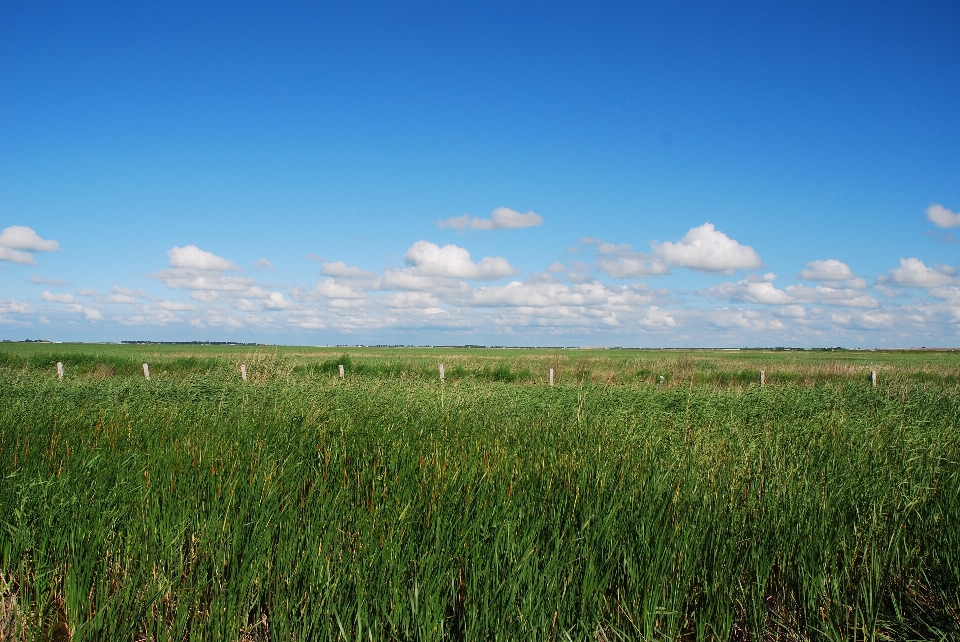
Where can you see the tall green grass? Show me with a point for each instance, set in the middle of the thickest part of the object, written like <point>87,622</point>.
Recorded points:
<point>302,507</point>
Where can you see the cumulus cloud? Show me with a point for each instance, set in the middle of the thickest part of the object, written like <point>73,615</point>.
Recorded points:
<point>18,307</point>
<point>829,270</point>
<point>622,262</point>
<point>188,279</point>
<point>914,273</point>
<point>276,302</point>
<point>15,256</point>
<point>175,306</point>
<point>20,237</point>
<point>502,218</point>
<point>707,249</point>
<point>941,216</point>
<point>125,295</point>
<point>793,311</point>
<point>18,242</point>
<point>46,295</point>
<point>192,257</point>
<point>332,289</point>
<point>762,291</point>
<point>342,270</point>
<point>264,264</point>
<point>657,319</point>
<point>429,259</point>
<point>419,300</point>
<point>203,273</point>
<point>542,295</point>
<point>828,295</point>
<point>833,271</point>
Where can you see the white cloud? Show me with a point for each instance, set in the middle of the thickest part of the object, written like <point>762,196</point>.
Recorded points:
<point>15,256</point>
<point>707,249</point>
<point>914,273</point>
<point>793,311</point>
<point>409,279</point>
<point>542,295</point>
<point>657,319</point>
<point>125,295</point>
<point>831,296</point>
<point>193,258</point>
<point>333,289</point>
<point>175,306</point>
<point>264,264</point>
<point>20,237</point>
<point>420,300</point>
<point>762,291</point>
<point>276,302</point>
<point>750,291</point>
<point>622,262</point>
<point>502,218</point>
<point>429,259</point>
<point>342,270</point>
<point>92,314</point>
<point>942,217</point>
<point>56,298</point>
<point>18,307</point>
<point>829,270</point>
<point>40,280</point>
<point>189,279</point>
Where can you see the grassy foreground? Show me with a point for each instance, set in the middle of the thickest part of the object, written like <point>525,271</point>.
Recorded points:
<point>298,506</point>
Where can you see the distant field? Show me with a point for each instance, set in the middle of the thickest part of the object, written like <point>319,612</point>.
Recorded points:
<point>384,506</point>
<point>518,365</point>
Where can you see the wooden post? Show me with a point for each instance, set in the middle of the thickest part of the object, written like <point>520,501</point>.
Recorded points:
<point>551,377</point>
<point>60,370</point>
<point>762,378</point>
<point>873,378</point>
<point>243,371</point>
<point>146,371</point>
<point>441,373</point>
<point>341,371</point>
<point>660,385</point>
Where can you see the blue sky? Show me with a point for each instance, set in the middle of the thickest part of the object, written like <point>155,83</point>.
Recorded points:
<point>509,174</point>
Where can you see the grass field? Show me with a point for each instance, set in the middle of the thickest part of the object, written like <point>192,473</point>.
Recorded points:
<point>384,506</point>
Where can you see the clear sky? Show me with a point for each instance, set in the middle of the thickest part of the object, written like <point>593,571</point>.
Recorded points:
<point>632,174</point>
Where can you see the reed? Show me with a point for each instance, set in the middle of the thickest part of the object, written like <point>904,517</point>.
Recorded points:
<point>299,506</point>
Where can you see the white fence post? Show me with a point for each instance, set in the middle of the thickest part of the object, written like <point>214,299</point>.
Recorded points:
<point>873,378</point>
<point>341,371</point>
<point>146,371</point>
<point>441,373</point>
<point>243,371</point>
<point>551,377</point>
<point>60,370</point>
<point>762,378</point>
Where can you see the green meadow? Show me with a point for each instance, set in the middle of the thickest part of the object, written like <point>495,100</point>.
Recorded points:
<point>384,505</point>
